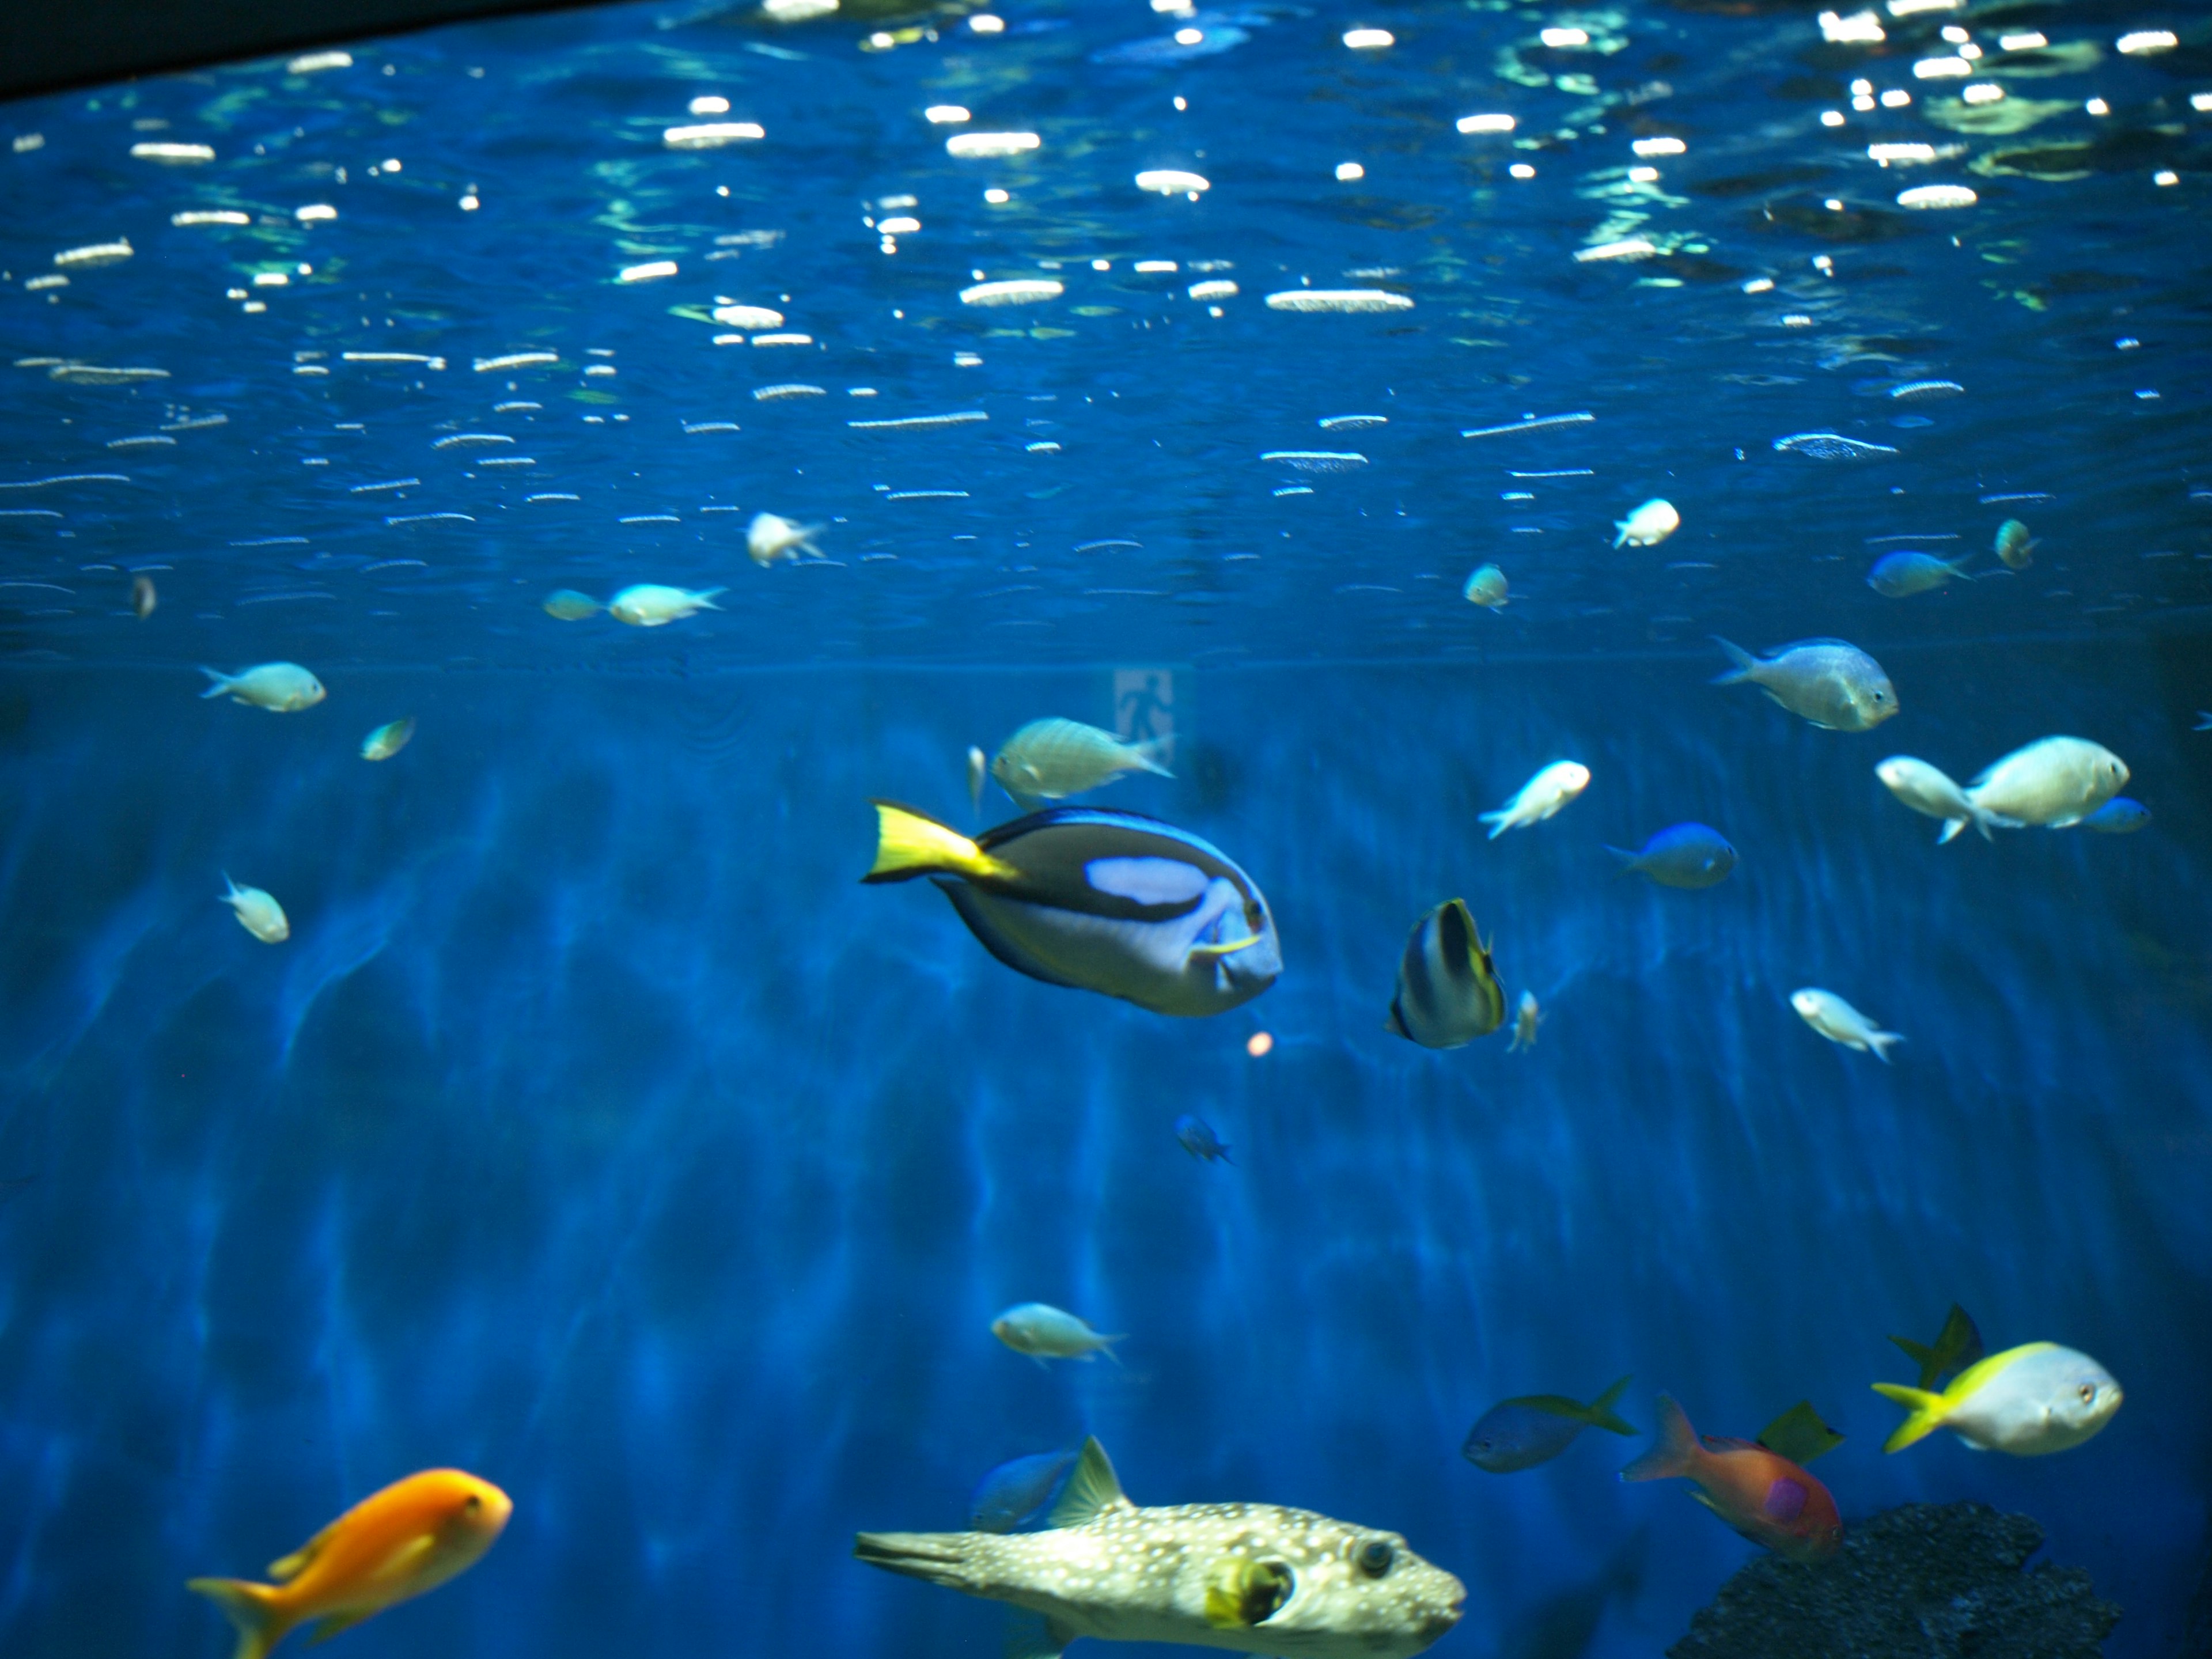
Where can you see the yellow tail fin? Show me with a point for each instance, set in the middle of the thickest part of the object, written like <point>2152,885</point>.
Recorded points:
<point>910,844</point>
<point>252,1607</point>
<point>1928,1414</point>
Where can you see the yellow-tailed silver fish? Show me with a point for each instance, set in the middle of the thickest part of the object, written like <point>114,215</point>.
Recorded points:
<point>1049,759</point>
<point>2030,1401</point>
<point>1448,990</point>
<point>387,739</point>
<point>1248,1578</point>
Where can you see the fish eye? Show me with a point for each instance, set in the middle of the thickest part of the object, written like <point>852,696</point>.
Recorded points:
<point>1375,1559</point>
<point>472,1502</point>
<point>2088,1392</point>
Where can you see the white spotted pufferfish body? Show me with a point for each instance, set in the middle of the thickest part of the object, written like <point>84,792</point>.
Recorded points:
<point>1249,1578</point>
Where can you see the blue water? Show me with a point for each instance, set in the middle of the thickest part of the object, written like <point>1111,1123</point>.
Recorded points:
<point>596,1132</point>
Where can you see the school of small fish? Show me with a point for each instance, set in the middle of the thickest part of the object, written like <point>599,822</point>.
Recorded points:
<point>1130,907</point>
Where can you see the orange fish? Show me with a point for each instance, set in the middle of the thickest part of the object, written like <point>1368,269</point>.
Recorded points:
<point>393,1545</point>
<point>1762,1494</point>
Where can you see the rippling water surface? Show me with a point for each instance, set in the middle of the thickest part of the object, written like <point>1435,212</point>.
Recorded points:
<point>595,1130</point>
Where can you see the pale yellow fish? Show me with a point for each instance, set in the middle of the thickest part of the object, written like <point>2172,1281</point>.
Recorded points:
<point>771,537</point>
<point>1525,1019</point>
<point>979,769</point>
<point>143,598</point>
<point>1486,588</point>
<point>1649,526</point>
<point>282,687</point>
<point>387,739</point>
<point>258,913</point>
<point>1049,759</point>
<point>567,605</point>
<point>649,605</point>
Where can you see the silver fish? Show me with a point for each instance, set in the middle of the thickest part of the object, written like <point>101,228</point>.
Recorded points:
<point>1049,759</point>
<point>1448,991</point>
<point>1249,1578</point>
<point>1831,683</point>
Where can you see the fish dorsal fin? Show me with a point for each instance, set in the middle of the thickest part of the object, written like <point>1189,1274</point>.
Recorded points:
<point>299,1559</point>
<point>1091,1491</point>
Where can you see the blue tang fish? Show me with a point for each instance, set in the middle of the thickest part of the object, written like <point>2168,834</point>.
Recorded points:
<point>1535,1428</point>
<point>1685,855</point>
<point>1198,1139</point>
<point>1900,576</point>
<point>2119,817</point>
<point>1101,900</point>
<point>1014,1491</point>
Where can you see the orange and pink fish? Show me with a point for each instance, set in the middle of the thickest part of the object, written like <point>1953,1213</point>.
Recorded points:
<point>392,1546</point>
<point>1762,1494</point>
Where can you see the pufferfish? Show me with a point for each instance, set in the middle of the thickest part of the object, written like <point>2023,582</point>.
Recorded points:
<point>1249,1577</point>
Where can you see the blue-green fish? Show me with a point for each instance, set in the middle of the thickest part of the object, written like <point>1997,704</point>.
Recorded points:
<point>1520,1433</point>
<point>1100,901</point>
<point>1015,1490</point>
<point>1900,576</point>
<point>2117,816</point>
<point>1683,855</point>
<point>282,687</point>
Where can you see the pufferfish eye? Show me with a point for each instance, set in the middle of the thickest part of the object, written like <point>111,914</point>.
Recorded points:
<point>1375,1559</point>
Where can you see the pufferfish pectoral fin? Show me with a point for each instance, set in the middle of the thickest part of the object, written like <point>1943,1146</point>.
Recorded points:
<point>1033,1636</point>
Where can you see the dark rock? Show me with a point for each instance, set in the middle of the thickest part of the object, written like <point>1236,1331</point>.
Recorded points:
<point>1931,1580</point>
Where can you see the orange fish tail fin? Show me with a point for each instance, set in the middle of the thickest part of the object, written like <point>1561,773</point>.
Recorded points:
<point>1675,1453</point>
<point>252,1607</point>
<point>1928,1412</point>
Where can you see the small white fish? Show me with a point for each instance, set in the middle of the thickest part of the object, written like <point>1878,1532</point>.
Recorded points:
<point>1539,798</point>
<point>1925,788</point>
<point>2056,781</point>
<point>387,739</point>
<point>143,598</point>
<point>1044,1332</point>
<point>769,537</point>
<point>282,687</point>
<point>1486,588</point>
<point>1649,526</point>
<point>1837,1021</point>
<point>647,605</point>
<point>258,913</point>
<point>1525,1019</point>
<point>979,769</point>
